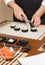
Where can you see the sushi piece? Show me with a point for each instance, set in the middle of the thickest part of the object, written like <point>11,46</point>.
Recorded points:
<point>16,28</point>
<point>12,26</point>
<point>33,29</point>
<point>25,29</point>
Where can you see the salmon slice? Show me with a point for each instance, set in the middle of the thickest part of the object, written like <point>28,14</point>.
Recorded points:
<point>6,53</point>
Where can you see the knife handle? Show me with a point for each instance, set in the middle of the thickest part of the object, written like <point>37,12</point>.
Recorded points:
<point>23,18</point>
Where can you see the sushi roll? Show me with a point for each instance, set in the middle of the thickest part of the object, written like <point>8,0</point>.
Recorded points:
<point>12,26</point>
<point>25,29</point>
<point>16,28</point>
<point>33,29</point>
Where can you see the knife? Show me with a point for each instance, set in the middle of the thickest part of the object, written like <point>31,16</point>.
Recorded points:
<point>28,22</point>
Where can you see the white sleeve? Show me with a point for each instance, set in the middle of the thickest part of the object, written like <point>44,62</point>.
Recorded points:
<point>43,3</point>
<point>7,1</point>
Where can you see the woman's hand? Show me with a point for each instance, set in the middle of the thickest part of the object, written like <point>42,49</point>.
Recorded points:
<point>36,19</point>
<point>18,12</point>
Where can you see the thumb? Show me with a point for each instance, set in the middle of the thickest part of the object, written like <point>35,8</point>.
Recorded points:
<point>24,16</point>
<point>32,19</point>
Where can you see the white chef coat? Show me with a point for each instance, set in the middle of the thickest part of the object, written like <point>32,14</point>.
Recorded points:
<point>7,1</point>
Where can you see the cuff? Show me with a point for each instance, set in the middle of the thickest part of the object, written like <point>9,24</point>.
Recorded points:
<point>43,3</point>
<point>7,1</point>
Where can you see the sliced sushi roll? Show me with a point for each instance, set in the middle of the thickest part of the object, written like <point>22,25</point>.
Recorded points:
<point>16,28</point>
<point>25,29</point>
<point>33,29</point>
<point>12,26</point>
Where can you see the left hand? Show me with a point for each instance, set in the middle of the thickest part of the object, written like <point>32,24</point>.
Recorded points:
<point>36,19</point>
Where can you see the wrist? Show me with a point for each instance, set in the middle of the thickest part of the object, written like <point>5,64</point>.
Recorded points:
<point>36,15</point>
<point>12,4</point>
<point>40,11</point>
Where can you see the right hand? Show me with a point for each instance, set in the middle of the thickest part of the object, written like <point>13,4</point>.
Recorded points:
<point>18,12</point>
<point>36,19</point>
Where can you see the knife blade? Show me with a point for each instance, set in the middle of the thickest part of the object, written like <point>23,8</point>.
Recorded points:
<point>28,22</point>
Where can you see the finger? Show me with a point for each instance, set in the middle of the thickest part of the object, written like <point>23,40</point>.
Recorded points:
<point>37,22</point>
<point>17,16</point>
<point>32,19</point>
<point>23,14</point>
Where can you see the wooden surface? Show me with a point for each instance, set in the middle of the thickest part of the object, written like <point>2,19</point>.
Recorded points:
<point>35,44</point>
